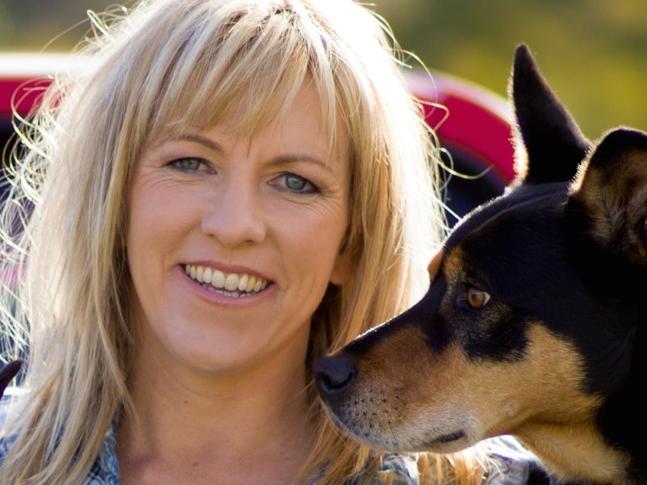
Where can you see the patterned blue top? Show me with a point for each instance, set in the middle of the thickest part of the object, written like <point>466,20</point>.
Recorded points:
<point>511,463</point>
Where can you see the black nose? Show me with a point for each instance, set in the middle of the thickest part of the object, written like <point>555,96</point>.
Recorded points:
<point>334,374</point>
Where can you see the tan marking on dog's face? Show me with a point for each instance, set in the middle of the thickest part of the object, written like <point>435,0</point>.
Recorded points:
<point>388,394</point>
<point>411,395</point>
<point>434,265</point>
<point>453,267</point>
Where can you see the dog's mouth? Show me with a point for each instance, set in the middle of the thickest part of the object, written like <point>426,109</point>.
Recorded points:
<point>450,440</point>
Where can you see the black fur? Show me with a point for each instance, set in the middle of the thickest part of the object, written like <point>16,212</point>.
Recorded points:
<point>7,373</point>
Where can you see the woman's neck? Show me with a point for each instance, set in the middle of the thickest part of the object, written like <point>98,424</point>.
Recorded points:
<point>231,422</point>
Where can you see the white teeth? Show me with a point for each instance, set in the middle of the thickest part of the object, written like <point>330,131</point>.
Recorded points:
<point>250,284</point>
<point>242,282</point>
<point>206,276</point>
<point>258,285</point>
<point>218,279</point>
<point>233,283</point>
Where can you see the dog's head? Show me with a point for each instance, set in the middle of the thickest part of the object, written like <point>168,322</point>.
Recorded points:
<point>533,302</point>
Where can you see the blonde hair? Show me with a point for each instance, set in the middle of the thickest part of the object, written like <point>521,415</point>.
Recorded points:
<point>166,66</point>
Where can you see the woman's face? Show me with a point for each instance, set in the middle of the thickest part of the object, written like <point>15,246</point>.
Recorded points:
<point>232,241</point>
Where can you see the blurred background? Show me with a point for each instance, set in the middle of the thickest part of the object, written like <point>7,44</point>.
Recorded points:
<point>594,52</point>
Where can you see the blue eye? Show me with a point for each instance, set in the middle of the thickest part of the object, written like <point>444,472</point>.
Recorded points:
<point>188,164</point>
<point>298,184</point>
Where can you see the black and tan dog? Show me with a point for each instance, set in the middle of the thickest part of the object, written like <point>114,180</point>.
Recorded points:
<point>534,324</point>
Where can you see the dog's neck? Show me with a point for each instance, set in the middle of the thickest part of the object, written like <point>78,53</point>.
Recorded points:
<point>621,419</point>
<point>578,452</point>
<point>575,452</point>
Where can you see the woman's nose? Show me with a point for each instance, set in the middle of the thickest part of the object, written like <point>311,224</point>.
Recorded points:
<point>233,216</point>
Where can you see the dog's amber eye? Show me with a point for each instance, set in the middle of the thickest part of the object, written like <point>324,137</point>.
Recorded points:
<point>477,299</point>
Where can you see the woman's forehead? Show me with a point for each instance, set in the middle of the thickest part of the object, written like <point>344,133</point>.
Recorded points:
<point>301,116</point>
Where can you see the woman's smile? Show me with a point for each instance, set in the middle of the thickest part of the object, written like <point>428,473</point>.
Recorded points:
<point>236,289</point>
<point>226,283</point>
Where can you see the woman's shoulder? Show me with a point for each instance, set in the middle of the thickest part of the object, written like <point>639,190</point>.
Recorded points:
<point>5,445</point>
<point>403,469</point>
<point>510,463</point>
<point>6,439</point>
<point>394,469</point>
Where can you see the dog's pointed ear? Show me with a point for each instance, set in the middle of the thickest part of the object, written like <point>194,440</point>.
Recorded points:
<point>549,145</point>
<point>611,187</point>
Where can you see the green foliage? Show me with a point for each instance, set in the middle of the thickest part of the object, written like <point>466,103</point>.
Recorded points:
<point>593,52</point>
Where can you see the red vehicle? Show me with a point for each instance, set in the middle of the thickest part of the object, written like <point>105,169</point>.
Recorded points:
<point>473,124</point>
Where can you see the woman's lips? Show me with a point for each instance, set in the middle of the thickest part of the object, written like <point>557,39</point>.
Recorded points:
<point>244,283</point>
<point>222,295</point>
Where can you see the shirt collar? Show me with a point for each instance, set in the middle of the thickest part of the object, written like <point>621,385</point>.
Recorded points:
<point>105,470</point>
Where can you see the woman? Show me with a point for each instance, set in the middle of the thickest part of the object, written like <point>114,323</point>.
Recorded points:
<point>233,189</point>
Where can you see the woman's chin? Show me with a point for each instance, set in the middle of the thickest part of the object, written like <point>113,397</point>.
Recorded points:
<point>214,360</point>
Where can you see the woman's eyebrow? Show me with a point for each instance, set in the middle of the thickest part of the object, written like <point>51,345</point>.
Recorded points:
<point>202,140</point>
<point>301,157</point>
<point>287,158</point>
